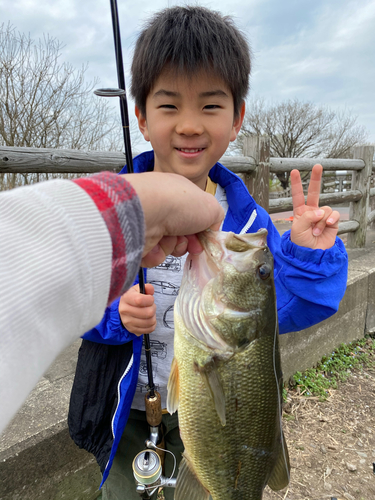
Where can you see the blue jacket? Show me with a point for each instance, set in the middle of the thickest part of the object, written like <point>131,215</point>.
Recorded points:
<point>309,286</point>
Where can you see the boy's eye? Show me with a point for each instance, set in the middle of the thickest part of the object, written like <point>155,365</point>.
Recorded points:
<point>212,106</point>
<point>168,106</point>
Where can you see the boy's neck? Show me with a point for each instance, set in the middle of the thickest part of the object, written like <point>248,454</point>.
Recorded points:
<point>203,183</point>
<point>210,186</point>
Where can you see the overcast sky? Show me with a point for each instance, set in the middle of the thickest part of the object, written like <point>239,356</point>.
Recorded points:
<point>314,50</point>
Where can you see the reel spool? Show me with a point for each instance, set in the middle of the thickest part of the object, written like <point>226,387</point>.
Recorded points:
<point>147,467</point>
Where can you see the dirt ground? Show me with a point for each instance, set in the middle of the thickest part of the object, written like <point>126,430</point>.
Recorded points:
<point>332,443</point>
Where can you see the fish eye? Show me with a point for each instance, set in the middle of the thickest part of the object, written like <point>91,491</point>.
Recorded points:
<point>264,271</point>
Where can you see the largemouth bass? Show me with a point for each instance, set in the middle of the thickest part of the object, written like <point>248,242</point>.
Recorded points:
<point>226,379</point>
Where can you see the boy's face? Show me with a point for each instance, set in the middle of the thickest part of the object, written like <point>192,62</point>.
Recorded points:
<point>189,122</point>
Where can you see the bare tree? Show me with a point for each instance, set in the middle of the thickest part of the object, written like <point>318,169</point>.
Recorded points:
<point>301,129</point>
<point>46,103</point>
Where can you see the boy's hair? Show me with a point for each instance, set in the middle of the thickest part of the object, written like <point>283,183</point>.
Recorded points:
<point>186,40</point>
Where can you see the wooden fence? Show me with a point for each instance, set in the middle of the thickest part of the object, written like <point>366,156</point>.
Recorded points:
<point>254,168</point>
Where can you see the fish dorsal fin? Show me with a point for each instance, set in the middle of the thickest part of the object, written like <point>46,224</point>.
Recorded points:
<point>173,387</point>
<point>281,472</point>
<point>188,486</point>
<point>211,377</point>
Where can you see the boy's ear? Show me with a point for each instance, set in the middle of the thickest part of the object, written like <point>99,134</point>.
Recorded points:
<point>142,123</point>
<point>237,123</point>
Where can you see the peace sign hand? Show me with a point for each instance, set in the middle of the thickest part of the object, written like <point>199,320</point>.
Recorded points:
<point>313,226</point>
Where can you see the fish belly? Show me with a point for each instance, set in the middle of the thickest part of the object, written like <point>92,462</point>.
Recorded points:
<point>233,461</point>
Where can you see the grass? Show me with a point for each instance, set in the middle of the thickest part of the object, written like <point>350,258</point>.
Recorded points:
<point>335,368</point>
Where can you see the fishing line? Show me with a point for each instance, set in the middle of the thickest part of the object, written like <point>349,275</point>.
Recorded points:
<point>162,483</point>
<point>278,398</point>
<point>277,275</point>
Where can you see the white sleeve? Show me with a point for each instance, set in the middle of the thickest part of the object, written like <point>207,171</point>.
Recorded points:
<point>55,272</point>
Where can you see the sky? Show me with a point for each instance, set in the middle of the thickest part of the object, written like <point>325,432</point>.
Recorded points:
<point>322,51</point>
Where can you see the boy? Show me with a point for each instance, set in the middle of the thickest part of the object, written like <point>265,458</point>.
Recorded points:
<point>190,76</point>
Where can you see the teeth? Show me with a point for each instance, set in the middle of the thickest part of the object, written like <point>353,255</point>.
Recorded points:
<point>184,150</point>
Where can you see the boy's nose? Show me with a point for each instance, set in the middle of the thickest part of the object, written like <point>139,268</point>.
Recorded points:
<point>189,125</point>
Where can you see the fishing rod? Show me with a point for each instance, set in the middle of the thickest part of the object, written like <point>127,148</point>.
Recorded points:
<point>145,462</point>
<point>121,93</point>
<point>152,398</point>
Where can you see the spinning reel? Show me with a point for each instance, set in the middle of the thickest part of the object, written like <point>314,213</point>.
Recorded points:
<point>148,464</point>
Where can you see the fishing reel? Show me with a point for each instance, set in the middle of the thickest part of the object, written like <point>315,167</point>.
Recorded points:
<point>148,464</point>
<point>147,470</point>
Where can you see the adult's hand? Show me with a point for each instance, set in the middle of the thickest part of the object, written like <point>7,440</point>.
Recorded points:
<point>175,210</point>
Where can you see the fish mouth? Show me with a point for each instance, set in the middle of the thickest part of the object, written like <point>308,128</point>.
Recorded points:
<point>245,242</point>
<point>236,249</point>
<point>219,245</point>
<point>234,242</point>
<point>205,292</point>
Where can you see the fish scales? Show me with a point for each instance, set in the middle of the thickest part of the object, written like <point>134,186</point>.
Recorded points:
<point>245,455</point>
<point>228,393</point>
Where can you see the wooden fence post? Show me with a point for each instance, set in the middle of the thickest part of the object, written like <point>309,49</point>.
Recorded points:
<point>257,182</point>
<point>358,210</point>
<point>372,200</point>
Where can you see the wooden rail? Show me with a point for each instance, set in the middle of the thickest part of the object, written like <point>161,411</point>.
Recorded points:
<point>254,168</point>
<point>278,165</point>
<point>285,204</point>
<point>70,161</point>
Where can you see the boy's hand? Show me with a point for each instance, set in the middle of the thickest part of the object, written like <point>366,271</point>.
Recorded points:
<point>138,311</point>
<point>313,227</point>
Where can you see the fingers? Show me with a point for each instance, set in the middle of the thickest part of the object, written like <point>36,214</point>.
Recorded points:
<point>169,245</point>
<point>137,299</point>
<point>138,311</point>
<point>314,186</point>
<point>313,192</point>
<point>153,258</point>
<point>309,219</point>
<point>149,289</point>
<point>316,228</point>
<point>334,219</point>
<point>216,226</point>
<point>298,198</point>
<point>194,245</point>
<point>330,219</point>
<point>181,246</point>
<point>166,246</point>
<point>173,206</point>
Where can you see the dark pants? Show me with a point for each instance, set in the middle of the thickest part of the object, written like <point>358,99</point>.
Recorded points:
<point>120,484</point>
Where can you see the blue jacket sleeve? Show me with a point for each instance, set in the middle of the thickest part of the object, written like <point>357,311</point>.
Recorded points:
<point>111,330</point>
<point>309,283</point>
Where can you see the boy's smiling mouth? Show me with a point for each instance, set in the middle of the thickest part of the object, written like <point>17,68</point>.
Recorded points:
<point>190,150</point>
<point>190,153</point>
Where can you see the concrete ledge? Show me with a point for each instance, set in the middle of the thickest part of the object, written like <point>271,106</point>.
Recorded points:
<point>304,349</point>
<point>38,460</point>
<point>355,317</point>
<point>53,469</point>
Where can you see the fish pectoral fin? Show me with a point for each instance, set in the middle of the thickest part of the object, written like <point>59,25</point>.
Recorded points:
<point>188,486</point>
<point>211,377</point>
<point>281,472</point>
<point>173,387</point>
